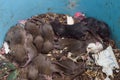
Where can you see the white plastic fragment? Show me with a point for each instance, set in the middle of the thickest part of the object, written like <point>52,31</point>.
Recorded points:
<point>6,47</point>
<point>70,20</point>
<point>107,60</point>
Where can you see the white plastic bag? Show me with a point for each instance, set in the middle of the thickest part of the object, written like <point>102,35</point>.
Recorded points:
<point>107,60</point>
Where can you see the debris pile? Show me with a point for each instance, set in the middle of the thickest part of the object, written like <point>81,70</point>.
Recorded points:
<point>60,47</point>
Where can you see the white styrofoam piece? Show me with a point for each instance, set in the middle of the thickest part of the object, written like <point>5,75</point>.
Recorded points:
<point>6,47</point>
<point>70,20</point>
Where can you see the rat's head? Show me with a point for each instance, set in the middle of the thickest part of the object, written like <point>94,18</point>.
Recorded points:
<point>58,28</point>
<point>91,47</point>
<point>94,47</point>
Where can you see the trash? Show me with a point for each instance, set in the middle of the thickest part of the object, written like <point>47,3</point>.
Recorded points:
<point>107,60</point>
<point>70,20</point>
<point>79,16</point>
<point>6,47</point>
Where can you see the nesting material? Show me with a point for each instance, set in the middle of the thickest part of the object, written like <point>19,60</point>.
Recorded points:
<point>70,20</point>
<point>6,47</point>
<point>58,45</point>
<point>107,60</point>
